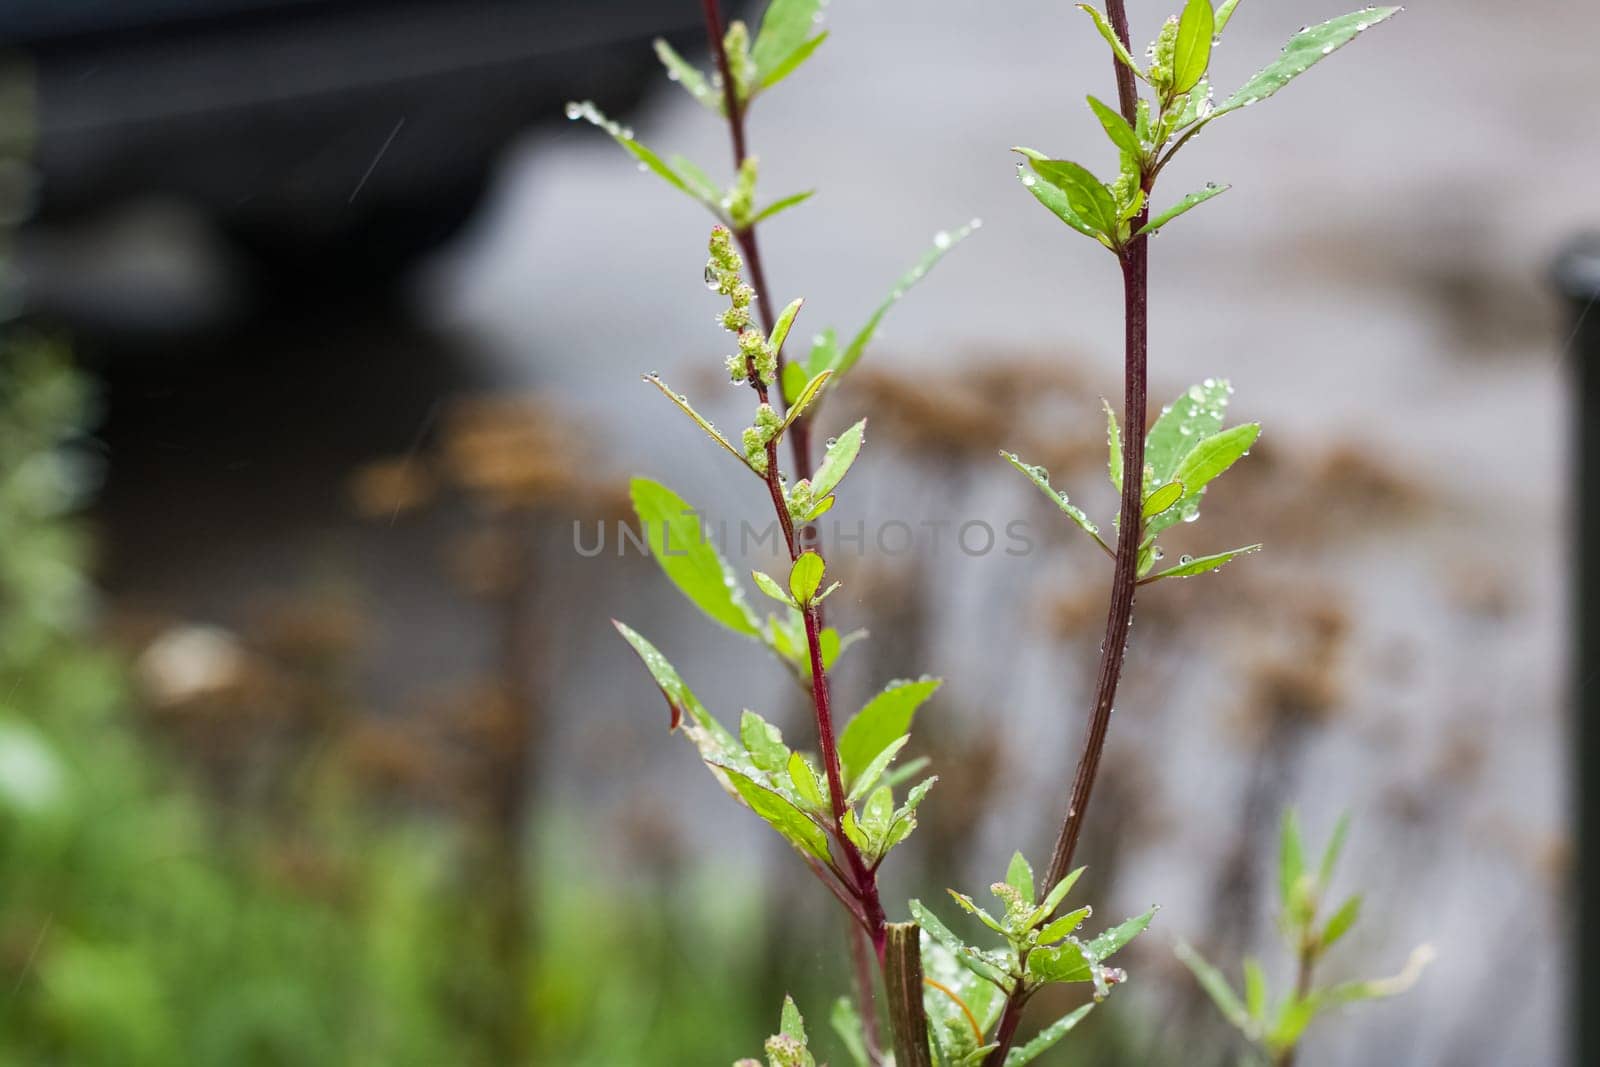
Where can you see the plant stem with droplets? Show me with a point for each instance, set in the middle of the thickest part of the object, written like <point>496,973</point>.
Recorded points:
<point>745,236</point>
<point>1134,258</point>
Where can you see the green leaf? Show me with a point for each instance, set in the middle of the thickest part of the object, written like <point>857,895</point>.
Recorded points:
<point>1045,1039</point>
<point>1064,926</point>
<point>1111,941</point>
<point>697,178</point>
<point>842,362</point>
<point>1195,415</point>
<point>768,585</point>
<point>846,1023</point>
<point>687,75</point>
<point>1330,855</point>
<point>1055,201</point>
<point>1058,893</point>
<point>1113,446</point>
<point>873,771</point>
<point>780,329</point>
<point>1378,988</point>
<point>792,63</point>
<point>782,205</point>
<point>1189,567</point>
<point>1119,49</point>
<point>1163,498</point>
<point>1019,876</point>
<point>836,461</point>
<point>805,576</point>
<point>1255,989</point>
<point>1304,50</point>
<point>1066,962</point>
<point>806,786</point>
<point>624,137</point>
<point>905,819</point>
<point>1192,54</point>
<point>764,742</point>
<point>1215,454</point>
<point>1216,987</point>
<point>807,397</point>
<point>1224,13</point>
<point>972,908</point>
<point>1291,857</point>
<point>700,420</point>
<point>680,699</point>
<point>779,813</point>
<point>794,381</point>
<point>1342,921</point>
<point>884,718</point>
<point>1117,129</point>
<point>785,27</point>
<point>965,954</point>
<point>1041,478</point>
<point>1088,197</point>
<point>693,564</point>
<point>1188,203</point>
<point>824,354</point>
<point>790,1023</point>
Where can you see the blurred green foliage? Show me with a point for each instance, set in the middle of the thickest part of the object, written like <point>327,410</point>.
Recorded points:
<point>141,923</point>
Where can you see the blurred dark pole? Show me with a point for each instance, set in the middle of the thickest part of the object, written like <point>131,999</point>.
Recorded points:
<point>1578,276</point>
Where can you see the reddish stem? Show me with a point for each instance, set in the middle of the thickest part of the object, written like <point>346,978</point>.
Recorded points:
<point>800,432</point>
<point>1130,528</point>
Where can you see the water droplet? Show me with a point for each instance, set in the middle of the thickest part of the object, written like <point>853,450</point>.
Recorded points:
<point>941,240</point>
<point>574,110</point>
<point>713,282</point>
<point>1029,180</point>
<point>1196,393</point>
<point>1185,559</point>
<point>1327,50</point>
<point>975,224</point>
<point>1191,513</point>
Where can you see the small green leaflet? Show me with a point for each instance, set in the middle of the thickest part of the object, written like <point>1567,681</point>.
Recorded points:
<point>1055,201</point>
<point>1216,987</point>
<point>1291,856</point>
<point>687,75</point>
<point>782,205</point>
<point>795,826</point>
<point>1224,13</point>
<point>680,699</point>
<point>1117,129</point>
<point>1188,568</point>
<point>785,31</point>
<point>690,560</point>
<point>884,718</point>
<point>1305,49</point>
<point>1342,921</point>
<point>699,419</point>
<point>873,771</point>
<point>1215,454</point>
<point>1041,478</point>
<point>1111,941</point>
<point>790,65</point>
<point>841,453</point>
<point>1019,876</point>
<point>624,136</point>
<point>1047,1038</point>
<point>780,329</point>
<point>1192,53</point>
<point>825,352</point>
<point>1195,415</point>
<point>1088,197</point>
<point>808,396</point>
<point>1117,47</point>
<point>805,576</point>
<point>1188,203</point>
<point>768,585</point>
<point>1163,498</point>
<point>1113,446</point>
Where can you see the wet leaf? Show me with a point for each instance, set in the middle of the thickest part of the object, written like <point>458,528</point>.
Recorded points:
<point>1113,446</point>
<point>1188,568</point>
<point>884,718</point>
<point>680,699</point>
<point>1117,129</point>
<point>1188,203</point>
<point>808,396</point>
<point>1041,478</point>
<point>805,576</point>
<point>1305,49</point>
<point>785,28</point>
<point>873,771</point>
<point>699,420</point>
<point>1195,415</point>
<point>1119,49</point>
<point>687,75</point>
<point>692,563</point>
<point>836,461</point>
<point>1212,456</point>
<point>779,206</point>
<point>1087,196</point>
<point>769,585</point>
<point>764,742</point>
<point>1019,876</point>
<point>1192,53</point>
<point>1224,13</point>
<point>1047,1038</point>
<point>1162,499</point>
<point>1104,946</point>
<point>779,813</point>
<point>780,328</point>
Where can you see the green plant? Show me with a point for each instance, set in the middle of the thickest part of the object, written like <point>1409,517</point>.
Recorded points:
<point>949,1001</point>
<point>1275,1025</point>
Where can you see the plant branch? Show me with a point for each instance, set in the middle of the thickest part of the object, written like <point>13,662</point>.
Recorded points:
<point>799,433</point>
<point>1302,989</point>
<point>1134,257</point>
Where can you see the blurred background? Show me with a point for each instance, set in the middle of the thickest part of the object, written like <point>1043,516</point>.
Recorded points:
<point>324,330</point>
